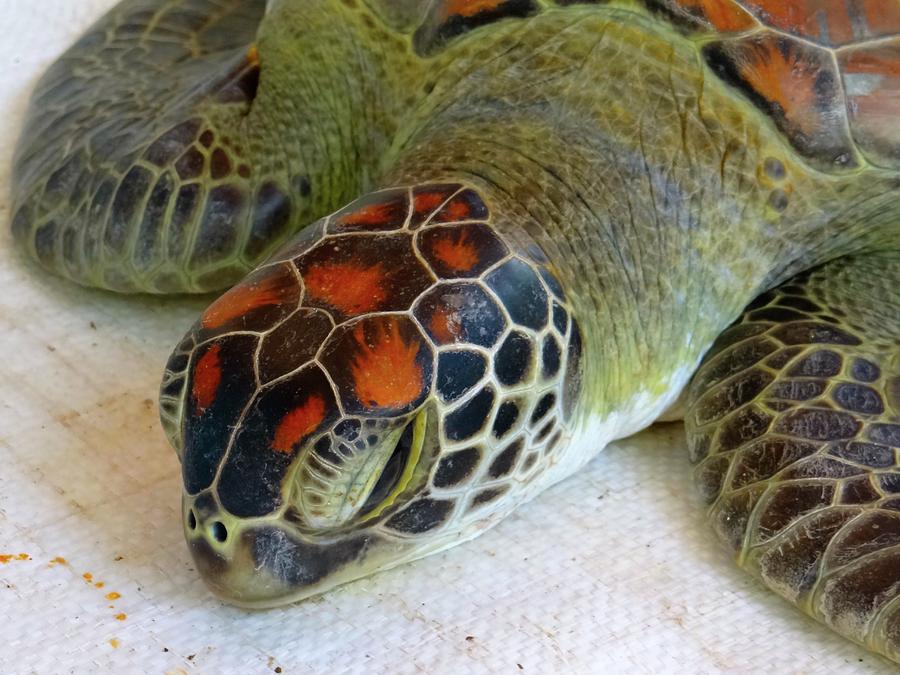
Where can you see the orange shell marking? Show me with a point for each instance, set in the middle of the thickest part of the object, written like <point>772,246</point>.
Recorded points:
<point>872,78</point>
<point>298,423</point>
<point>207,378</point>
<point>273,289</point>
<point>724,15</point>
<point>348,287</point>
<point>788,80</point>
<point>833,22</point>
<point>386,373</point>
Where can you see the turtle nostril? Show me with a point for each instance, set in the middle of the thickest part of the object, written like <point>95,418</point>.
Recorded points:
<point>192,520</point>
<point>219,532</point>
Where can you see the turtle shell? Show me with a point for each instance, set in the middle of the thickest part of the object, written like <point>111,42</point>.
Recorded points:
<point>827,72</point>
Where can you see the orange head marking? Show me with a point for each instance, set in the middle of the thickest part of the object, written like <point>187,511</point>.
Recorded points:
<point>368,214</point>
<point>298,423</point>
<point>271,290</point>
<point>349,287</point>
<point>457,209</point>
<point>445,325</point>
<point>457,251</point>
<point>207,378</point>
<point>386,373</point>
<point>426,202</point>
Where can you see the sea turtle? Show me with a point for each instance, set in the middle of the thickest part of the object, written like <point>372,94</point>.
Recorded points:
<point>573,213</point>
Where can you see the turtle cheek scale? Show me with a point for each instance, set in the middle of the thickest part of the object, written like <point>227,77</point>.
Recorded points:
<point>285,511</point>
<point>275,525</point>
<point>282,522</point>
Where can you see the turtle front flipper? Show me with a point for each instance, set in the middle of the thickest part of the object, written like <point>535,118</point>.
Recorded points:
<point>794,422</point>
<point>132,150</point>
<point>179,142</point>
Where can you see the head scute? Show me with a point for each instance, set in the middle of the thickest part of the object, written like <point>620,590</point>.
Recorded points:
<point>381,365</point>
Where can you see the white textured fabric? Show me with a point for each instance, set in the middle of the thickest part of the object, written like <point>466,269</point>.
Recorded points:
<point>613,570</point>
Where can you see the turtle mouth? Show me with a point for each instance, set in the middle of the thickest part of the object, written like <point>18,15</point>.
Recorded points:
<point>397,472</point>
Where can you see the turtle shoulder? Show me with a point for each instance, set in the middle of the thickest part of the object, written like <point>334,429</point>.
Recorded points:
<point>826,73</point>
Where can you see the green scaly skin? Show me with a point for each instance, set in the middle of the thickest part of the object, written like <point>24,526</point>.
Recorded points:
<point>664,201</point>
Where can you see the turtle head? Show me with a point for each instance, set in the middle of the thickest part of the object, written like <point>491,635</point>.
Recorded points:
<point>392,383</point>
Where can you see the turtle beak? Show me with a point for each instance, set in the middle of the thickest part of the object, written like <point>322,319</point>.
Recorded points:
<point>258,565</point>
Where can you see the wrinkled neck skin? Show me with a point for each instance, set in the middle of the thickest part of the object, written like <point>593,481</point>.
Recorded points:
<point>327,107</point>
<point>619,176</point>
<point>625,173</point>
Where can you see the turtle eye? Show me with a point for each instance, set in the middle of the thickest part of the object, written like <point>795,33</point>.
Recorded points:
<point>390,474</point>
<point>398,470</point>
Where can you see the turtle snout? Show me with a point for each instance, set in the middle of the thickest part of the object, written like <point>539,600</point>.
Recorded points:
<point>261,563</point>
